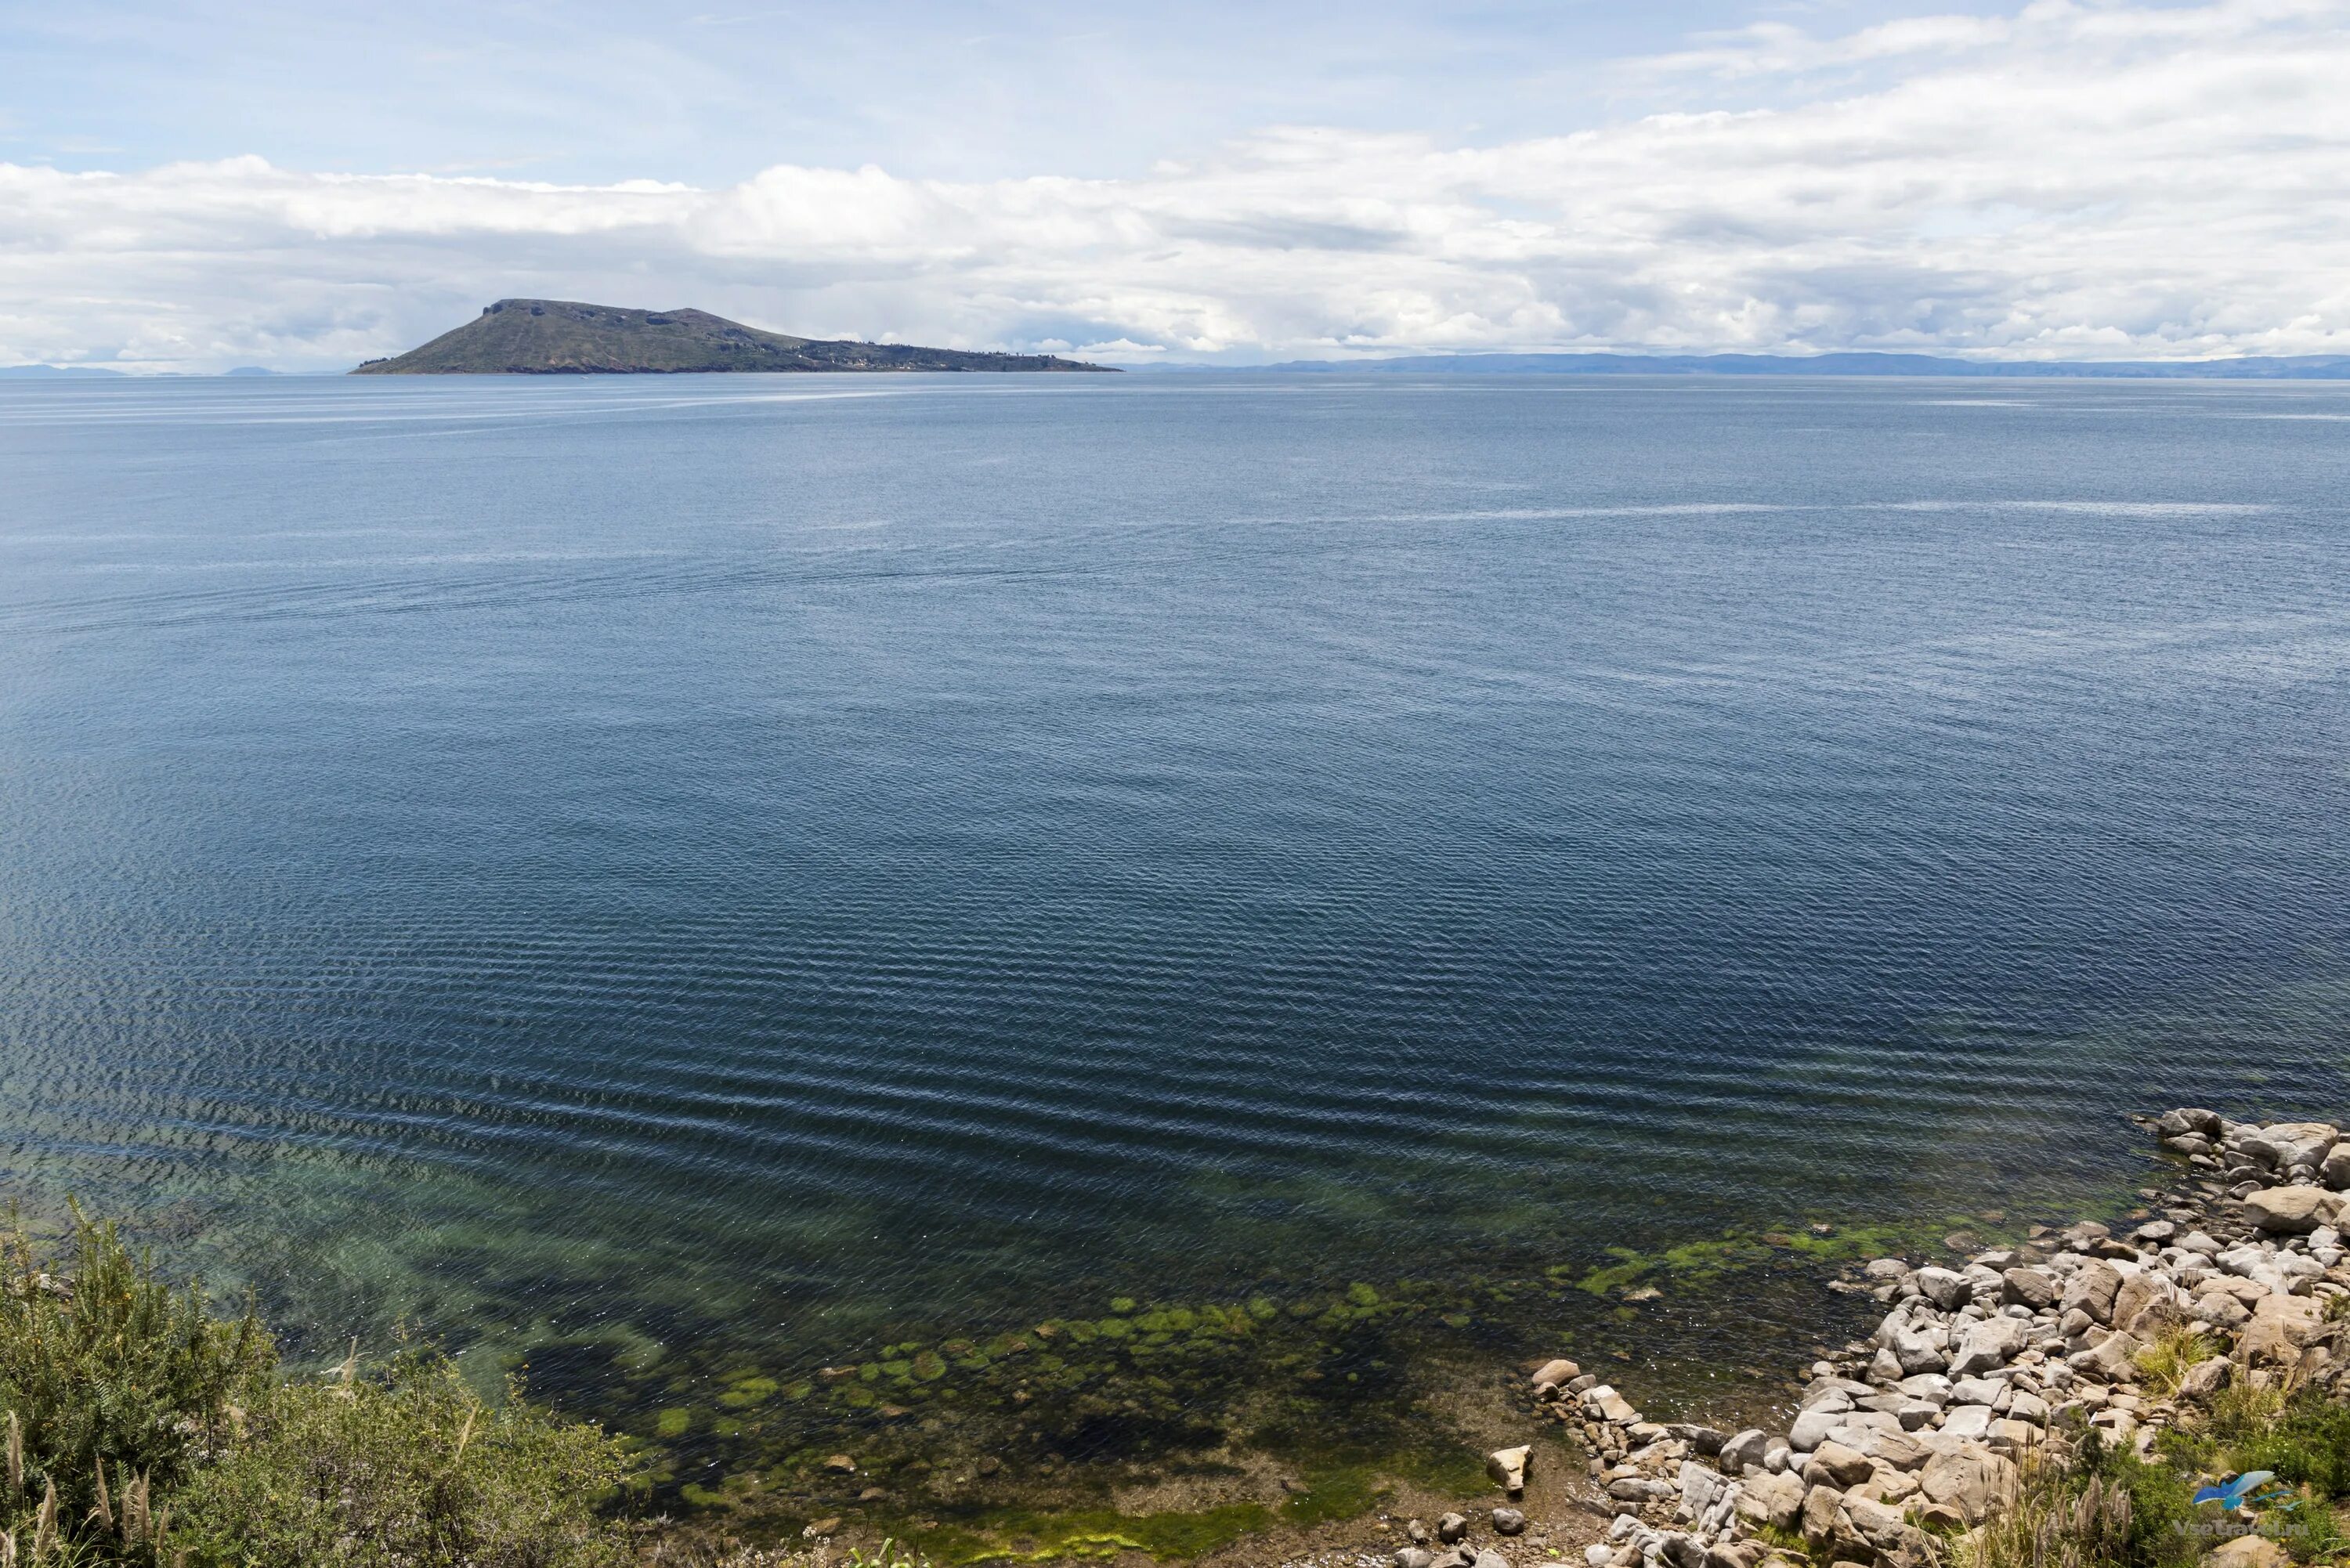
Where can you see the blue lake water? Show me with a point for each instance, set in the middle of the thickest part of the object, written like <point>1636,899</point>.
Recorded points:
<point>606,868</point>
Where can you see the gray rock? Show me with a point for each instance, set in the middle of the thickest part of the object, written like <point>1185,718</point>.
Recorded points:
<point>1987,1345</point>
<point>1970,1479</point>
<point>1509,1522</point>
<point>1944,1288</point>
<point>1706,1440</point>
<point>2288,1144</point>
<point>2090,1290</point>
<point>1744,1452</point>
<point>1977,1390</point>
<point>1489,1558</point>
<point>1969,1421</point>
<point>1414,1557</point>
<point>1897,1449</point>
<point>1822,1504</point>
<point>1917,1354</point>
<point>1558,1373</point>
<point>1813,1427</point>
<point>1452,1529</point>
<point>1930,1386</point>
<point>1679,1551</point>
<point>2290,1210</point>
<point>1834,1464</point>
<point>1885,1269</point>
<point>2207,1377</point>
<point>2034,1288</point>
<point>2190,1120</point>
<point>1774,1499</point>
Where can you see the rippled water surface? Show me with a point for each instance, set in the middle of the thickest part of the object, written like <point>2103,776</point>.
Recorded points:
<point>801,862</point>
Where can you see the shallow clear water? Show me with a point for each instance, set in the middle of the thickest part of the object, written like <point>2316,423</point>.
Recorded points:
<point>638,864</point>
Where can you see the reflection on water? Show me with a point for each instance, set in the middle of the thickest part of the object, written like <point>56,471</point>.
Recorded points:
<point>691,886</point>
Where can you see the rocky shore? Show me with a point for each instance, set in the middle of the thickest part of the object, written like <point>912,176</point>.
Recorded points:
<point>1903,1447</point>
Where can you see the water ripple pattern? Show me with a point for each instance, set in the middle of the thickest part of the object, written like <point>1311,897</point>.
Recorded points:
<point>952,849</point>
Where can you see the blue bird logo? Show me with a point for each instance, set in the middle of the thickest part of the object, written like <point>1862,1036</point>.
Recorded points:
<point>2234,1494</point>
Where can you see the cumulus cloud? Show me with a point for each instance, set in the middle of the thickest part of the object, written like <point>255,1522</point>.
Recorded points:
<point>2065,182</point>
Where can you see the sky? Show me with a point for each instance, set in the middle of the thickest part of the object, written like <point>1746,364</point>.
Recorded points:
<point>197,186</point>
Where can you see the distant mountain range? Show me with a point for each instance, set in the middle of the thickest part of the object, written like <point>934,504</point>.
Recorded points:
<point>2316,366</point>
<point>562,337</point>
<point>119,375</point>
<point>545,336</point>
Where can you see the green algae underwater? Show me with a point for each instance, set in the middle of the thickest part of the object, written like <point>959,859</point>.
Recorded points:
<point>1177,1428</point>
<point>1027,1444</point>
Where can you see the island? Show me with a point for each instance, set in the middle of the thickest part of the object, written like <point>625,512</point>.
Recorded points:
<point>562,337</point>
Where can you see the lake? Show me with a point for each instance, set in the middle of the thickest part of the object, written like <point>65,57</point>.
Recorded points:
<point>685,882</point>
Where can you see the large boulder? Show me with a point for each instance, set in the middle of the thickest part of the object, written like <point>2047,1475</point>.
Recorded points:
<point>1916,1353</point>
<point>1834,1464</point>
<point>1897,1449</point>
<point>1828,1531</point>
<point>1970,1479</point>
<point>1944,1288</point>
<point>1971,1421</point>
<point>1813,1427</point>
<point>2092,1290</point>
<point>1557,1374</point>
<point>2292,1210</point>
<point>1508,1467</point>
<point>2336,1171</point>
<point>2289,1144</point>
<point>2280,1326</point>
<point>2145,1300</point>
<point>1774,1499</point>
<point>2206,1377</point>
<point>1743,1452</point>
<point>2247,1551</point>
<point>2113,1356</point>
<point>1701,1488</point>
<point>1605,1405</point>
<point>2190,1120</point>
<point>2034,1288</point>
<point>1988,1345</point>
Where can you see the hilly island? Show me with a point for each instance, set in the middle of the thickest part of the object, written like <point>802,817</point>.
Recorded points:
<point>559,338</point>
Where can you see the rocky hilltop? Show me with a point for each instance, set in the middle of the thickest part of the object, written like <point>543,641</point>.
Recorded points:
<point>562,337</point>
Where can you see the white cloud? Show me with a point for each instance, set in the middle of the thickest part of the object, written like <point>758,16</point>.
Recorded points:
<point>2068,181</point>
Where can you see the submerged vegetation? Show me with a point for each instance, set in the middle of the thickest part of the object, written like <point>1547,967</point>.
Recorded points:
<point>142,1428</point>
<point>158,1430</point>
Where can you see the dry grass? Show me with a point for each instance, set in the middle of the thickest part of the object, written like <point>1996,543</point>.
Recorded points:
<point>2166,1360</point>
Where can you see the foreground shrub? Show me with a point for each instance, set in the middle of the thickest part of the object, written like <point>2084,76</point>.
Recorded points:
<point>2306,1444</point>
<point>114,1385</point>
<point>410,1468</point>
<point>139,1428</point>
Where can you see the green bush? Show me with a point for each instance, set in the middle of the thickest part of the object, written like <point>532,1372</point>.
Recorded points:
<point>2307,1444</point>
<point>114,1385</point>
<point>138,1428</point>
<point>2162,1505</point>
<point>410,1468</point>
